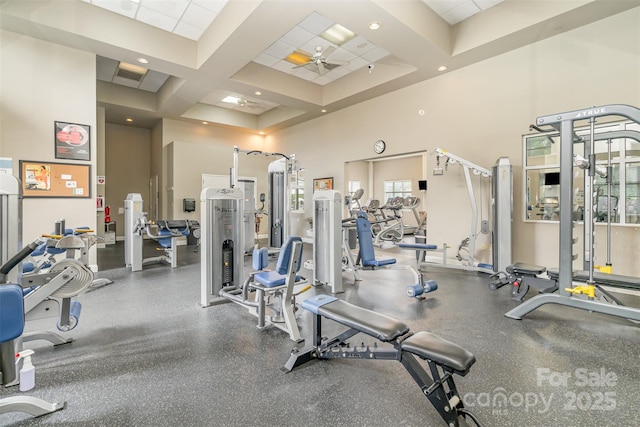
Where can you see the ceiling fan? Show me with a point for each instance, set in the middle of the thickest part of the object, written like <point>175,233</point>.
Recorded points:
<point>318,61</point>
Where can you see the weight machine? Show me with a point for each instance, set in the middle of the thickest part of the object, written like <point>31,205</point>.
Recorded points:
<point>165,232</point>
<point>501,211</point>
<point>48,284</point>
<point>583,296</point>
<point>268,295</point>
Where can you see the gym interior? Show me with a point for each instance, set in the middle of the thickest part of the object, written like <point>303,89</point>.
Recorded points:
<point>204,202</point>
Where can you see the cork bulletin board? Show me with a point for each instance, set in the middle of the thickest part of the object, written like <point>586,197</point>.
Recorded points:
<point>46,179</point>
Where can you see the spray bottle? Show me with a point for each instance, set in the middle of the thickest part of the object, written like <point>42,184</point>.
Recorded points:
<point>28,372</point>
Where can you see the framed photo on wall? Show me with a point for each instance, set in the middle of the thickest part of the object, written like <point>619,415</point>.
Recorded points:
<point>322,184</point>
<point>72,141</point>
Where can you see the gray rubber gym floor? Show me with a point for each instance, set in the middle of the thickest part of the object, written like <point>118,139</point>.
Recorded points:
<point>146,354</point>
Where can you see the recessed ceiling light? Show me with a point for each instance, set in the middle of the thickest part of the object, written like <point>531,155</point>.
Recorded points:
<point>143,60</point>
<point>337,34</point>
<point>374,25</point>
<point>205,123</point>
<point>231,99</point>
<point>128,120</point>
<point>323,111</point>
<point>442,68</point>
<point>261,133</point>
<point>257,93</point>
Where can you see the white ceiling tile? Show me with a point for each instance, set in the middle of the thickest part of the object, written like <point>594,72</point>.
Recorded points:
<point>105,68</point>
<point>316,23</point>
<point>266,60</point>
<point>310,46</point>
<point>486,4</point>
<point>358,46</point>
<point>442,6</point>
<point>461,13</point>
<point>284,66</point>
<point>375,54</point>
<point>198,16</point>
<point>189,31</point>
<point>153,81</point>
<point>213,5</point>
<point>171,8</point>
<point>297,36</point>
<point>357,63</point>
<point>280,49</point>
<point>338,72</point>
<point>125,7</point>
<point>156,19</point>
<point>342,55</point>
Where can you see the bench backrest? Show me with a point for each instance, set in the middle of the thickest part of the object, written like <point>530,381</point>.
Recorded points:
<point>282,266</point>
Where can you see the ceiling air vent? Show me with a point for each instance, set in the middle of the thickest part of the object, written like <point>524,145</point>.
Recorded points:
<point>131,72</point>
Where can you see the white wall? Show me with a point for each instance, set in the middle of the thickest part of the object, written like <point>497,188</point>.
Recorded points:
<point>480,113</point>
<point>41,82</point>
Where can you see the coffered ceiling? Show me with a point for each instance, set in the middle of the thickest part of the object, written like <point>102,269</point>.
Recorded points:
<point>262,65</point>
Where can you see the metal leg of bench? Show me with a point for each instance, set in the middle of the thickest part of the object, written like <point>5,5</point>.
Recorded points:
<point>29,404</point>
<point>433,389</point>
<point>599,307</point>
<point>305,354</point>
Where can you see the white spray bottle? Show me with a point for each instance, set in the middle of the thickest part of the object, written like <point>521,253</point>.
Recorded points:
<point>28,372</point>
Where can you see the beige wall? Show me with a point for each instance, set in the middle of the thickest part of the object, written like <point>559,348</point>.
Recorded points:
<point>480,113</point>
<point>41,82</point>
<point>128,167</point>
<point>205,149</point>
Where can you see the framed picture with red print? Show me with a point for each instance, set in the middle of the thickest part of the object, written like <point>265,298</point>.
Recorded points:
<point>72,141</point>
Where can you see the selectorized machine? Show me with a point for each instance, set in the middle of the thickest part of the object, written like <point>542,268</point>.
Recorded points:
<point>165,232</point>
<point>220,245</point>
<point>328,239</point>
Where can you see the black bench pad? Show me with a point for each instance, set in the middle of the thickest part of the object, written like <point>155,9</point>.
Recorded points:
<point>522,268</point>
<point>366,321</point>
<point>429,346</point>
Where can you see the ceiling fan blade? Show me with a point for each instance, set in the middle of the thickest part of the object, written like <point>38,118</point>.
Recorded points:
<point>338,62</point>
<point>328,51</point>
<point>321,69</point>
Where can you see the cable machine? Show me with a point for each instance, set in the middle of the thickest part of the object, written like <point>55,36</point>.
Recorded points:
<point>581,297</point>
<point>501,203</point>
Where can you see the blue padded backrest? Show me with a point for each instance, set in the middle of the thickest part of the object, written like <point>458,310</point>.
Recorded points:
<point>285,254</point>
<point>11,312</point>
<point>363,227</point>
<point>260,259</point>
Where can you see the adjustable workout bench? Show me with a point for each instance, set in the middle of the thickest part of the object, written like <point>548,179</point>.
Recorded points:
<point>444,358</point>
<point>522,277</point>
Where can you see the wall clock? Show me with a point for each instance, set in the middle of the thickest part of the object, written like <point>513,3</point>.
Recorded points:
<point>379,146</point>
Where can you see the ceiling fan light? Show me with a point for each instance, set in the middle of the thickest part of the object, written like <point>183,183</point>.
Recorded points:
<point>298,58</point>
<point>337,34</point>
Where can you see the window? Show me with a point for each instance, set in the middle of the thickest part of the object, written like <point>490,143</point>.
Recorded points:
<point>400,188</point>
<point>542,172</point>
<point>354,186</point>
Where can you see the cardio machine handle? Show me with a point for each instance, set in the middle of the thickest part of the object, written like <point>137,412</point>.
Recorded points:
<point>22,254</point>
